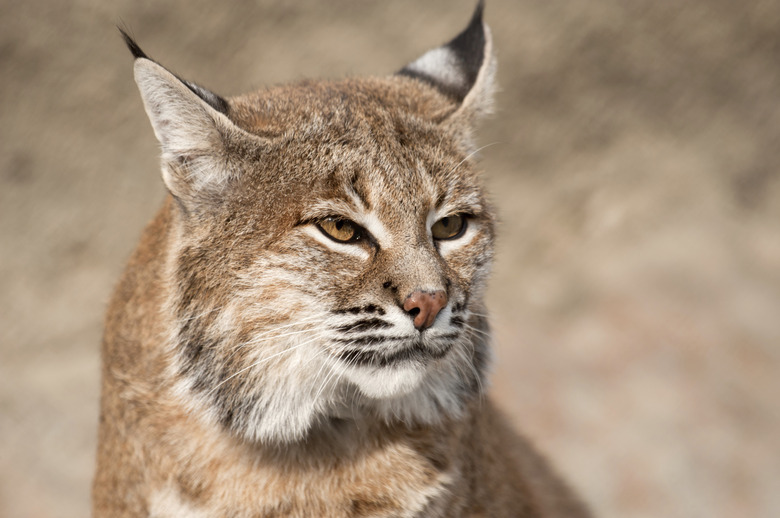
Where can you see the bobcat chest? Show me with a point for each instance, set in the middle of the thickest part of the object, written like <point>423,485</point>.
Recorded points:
<point>389,480</point>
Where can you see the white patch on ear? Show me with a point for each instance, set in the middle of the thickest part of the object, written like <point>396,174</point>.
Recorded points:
<point>452,69</point>
<point>479,100</point>
<point>442,65</point>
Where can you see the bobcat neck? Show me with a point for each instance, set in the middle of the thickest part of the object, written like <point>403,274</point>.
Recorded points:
<point>175,463</point>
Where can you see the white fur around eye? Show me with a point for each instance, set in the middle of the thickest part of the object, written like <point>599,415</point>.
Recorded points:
<point>446,246</point>
<point>376,228</point>
<point>433,217</point>
<point>352,249</point>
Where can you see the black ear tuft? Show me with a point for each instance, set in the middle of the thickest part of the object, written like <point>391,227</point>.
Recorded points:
<point>212,99</point>
<point>453,68</point>
<point>132,45</point>
<point>469,45</point>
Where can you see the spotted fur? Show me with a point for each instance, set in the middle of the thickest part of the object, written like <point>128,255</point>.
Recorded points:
<point>255,366</point>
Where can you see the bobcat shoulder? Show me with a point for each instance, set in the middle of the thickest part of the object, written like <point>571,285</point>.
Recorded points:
<point>301,329</point>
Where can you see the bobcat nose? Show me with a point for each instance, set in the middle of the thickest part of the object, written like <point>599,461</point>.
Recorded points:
<point>423,306</point>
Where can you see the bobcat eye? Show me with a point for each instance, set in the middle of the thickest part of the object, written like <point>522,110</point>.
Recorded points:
<point>341,230</point>
<point>450,227</point>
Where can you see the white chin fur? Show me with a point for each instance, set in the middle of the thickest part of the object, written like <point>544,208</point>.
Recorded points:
<point>386,382</point>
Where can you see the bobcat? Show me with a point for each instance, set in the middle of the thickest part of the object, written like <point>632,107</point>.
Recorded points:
<point>301,331</point>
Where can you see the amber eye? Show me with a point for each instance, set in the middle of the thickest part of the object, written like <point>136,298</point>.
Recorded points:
<point>341,230</point>
<point>450,227</point>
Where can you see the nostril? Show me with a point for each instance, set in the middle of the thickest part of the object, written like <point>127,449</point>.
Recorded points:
<point>423,306</point>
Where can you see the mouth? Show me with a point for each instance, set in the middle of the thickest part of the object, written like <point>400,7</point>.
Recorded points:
<point>373,351</point>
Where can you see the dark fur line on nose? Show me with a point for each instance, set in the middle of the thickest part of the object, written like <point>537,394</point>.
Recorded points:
<point>423,306</point>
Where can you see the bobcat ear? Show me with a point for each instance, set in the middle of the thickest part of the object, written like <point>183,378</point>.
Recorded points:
<point>192,126</point>
<point>463,69</point>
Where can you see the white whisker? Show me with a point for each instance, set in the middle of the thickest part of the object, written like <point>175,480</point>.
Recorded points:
<point>332,374</point>
<point>476,330</point>
<point>265,336</point>
<point>239,346</point>
<point>264,360</point>
<point>472,154</point>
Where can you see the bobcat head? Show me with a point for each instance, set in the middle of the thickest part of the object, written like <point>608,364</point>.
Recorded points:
<point>329,243</point>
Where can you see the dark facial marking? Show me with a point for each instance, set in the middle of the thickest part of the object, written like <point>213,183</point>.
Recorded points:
<point>374,358</point>
<point>369,324</point>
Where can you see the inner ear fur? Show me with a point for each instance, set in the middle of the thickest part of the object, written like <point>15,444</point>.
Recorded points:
<point>194,132</point>
<point>190,132</point>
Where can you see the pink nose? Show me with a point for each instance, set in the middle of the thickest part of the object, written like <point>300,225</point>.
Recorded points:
<point>423,306</point>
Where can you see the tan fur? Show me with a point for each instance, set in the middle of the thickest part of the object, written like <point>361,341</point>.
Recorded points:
<point>254,367</point>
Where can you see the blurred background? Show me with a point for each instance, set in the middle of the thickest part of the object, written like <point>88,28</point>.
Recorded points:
<point>633,160</point>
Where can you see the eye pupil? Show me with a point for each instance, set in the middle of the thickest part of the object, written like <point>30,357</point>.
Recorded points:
<point>449,227</point>
<point>340,230</point>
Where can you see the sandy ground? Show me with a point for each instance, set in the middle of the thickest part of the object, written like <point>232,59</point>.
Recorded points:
<point>633,159</point>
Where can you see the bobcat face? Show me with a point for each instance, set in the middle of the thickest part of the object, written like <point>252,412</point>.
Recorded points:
<point>332,244</point>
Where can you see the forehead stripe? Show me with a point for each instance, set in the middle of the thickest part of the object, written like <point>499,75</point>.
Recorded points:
<point>361,197</point>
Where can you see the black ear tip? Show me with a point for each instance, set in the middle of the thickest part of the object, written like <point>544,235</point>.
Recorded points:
<point>135,50</point>
<point>454,69</point>
<point>476,19</point>
<point>470,42</point>
<point>478,12</point>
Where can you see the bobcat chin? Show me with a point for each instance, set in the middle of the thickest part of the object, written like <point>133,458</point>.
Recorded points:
<point>301,331</point>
